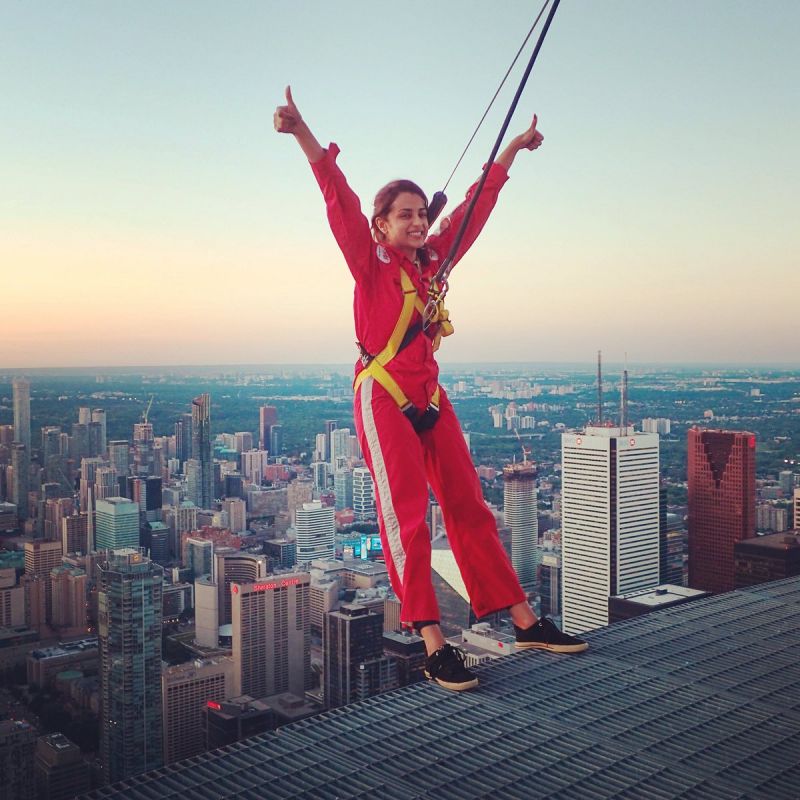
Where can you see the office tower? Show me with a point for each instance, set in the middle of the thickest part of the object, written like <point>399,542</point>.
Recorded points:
<point>21,388</point>
<point>20,466</point>
<point>267,417</point>
<point>186,690</point>
<point>610,520</point>
<point>99,419</point>
<point>722,495</point>
<point>105,483</point>
<point>60,773</point>
<point>206,612</point>
<point>315,530</point>
<point>69,592</point>
<point>199,558</point>
<point>55,512</point>
<point>129,636</point>
<point>234,485</point>
<point>253,463</point>
<point>340,448</point>
<point>407,650</point>
<point>156,537</point>
<point>320,472</point>
<point>796,509</point>
<point>12,599</point>
<point>271,636</point>
<point>230,721</point>
<point>520,510</point>
<point>116,523</point>
<point>550,584</point>
<point>672,543</point>
<point>232,566</point>
<point>236,510</point>
<point>201,448</point>
<point>242,441</point>
<point>760,559</point>
<point>153,499</point>
<point>363,494</point>
<point>194,482</point>
<point>321,448</point>
<point>343,488</point>
<point>352,641</point>
<point>119,456</point>
<point>645,601</point>
<point>276,440</point>
<point>144,450</point>
<point>74,531</point>
<point>52,457</point>
<point>282,553</point>
<point>17,749</point>
<point>183,438</point>
<point>89,467</point>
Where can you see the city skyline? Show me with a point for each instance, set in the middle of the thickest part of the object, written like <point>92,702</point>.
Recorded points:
<point>653,220</point>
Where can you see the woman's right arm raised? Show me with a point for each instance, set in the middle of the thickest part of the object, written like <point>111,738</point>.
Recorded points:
<point>348,224</point>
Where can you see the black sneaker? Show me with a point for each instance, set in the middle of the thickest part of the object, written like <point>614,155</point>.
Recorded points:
<point>446,667</point>
<point>545,635</point>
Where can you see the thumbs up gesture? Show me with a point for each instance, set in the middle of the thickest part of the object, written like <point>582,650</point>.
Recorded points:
<point>287,118</point>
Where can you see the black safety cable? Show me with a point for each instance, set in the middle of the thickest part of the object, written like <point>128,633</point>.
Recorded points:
<point>444,270</point>
<point>494,97</point>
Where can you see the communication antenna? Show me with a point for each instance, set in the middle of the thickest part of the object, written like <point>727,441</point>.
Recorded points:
<point>599,389</point>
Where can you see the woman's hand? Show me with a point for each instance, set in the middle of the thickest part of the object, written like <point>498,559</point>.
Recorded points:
<point>531,139</point>
<point>287,118</point>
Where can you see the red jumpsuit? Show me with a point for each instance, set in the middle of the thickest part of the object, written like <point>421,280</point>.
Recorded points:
<point>402,461</point>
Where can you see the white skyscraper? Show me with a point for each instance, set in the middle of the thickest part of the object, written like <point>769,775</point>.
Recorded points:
<point>363,494</point>
<point>340,448</point>
<point>21,388</point>
<point>519,508</point>
<point>610,520</point>
<point>315,527</point>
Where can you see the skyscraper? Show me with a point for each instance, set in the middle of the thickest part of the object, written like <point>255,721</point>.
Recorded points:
<point>363,494</point>
<point>609,520</point>
<point>343,488</point>
<point>59,770</point>
<point>116,523</point>
<point>271,635</point>
<point>267,417</point>
<point>352,643</point>
<point>99,418</point>
<point>315,528</point>
<point>520,510</point>
<point>201,447</point>
<point>276,440</point>
<point>340,448</point>
<point>129,634</point>
<point>20,477</point>
<point>119,456</point>
<point>21,388</point>
<point>231,566</point>
<point>722,496</point>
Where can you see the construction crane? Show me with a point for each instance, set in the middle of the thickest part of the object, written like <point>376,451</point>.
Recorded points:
<point>147,410</point>
<point>526,451</point>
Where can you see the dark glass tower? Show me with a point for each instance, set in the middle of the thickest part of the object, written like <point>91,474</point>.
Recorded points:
<point>201,447</point>
<point>129,633</point>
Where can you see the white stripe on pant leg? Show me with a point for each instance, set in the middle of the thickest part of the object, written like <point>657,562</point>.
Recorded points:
<point>390,522</point>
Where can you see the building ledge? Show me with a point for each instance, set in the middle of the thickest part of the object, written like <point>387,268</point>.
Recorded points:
<point>697,701</point>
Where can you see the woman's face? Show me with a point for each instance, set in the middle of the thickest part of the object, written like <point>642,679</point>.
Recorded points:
<point>406,225</point>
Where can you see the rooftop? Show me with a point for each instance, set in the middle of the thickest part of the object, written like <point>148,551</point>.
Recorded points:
<point>700,700</point>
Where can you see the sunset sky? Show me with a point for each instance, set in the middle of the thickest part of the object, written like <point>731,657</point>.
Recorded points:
<point>150,215</point>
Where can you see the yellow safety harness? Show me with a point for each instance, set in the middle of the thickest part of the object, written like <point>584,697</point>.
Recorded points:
<point>402,335</point>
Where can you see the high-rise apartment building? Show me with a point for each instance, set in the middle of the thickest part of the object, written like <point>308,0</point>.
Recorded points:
<point>315,529</point>
<point>267,417</point>
<point>144,450</point>
<point>271,635</point>
<point>520,511</point>
<point>69,591</point>
<point>343,488</point>
<point>609,520</point>
<point>722,497</point>
<point>276,440</point>
<point>236,510</point>
<point>363,494</point>
<point>253,463</point>
<point>116,523</point>
<point>129,635</point>
<point>20,478</point>
<point>340,448</point>
<point>201,448</point>
<point>74,533</point>
<point>119,456</point>
<point>352,641</point>
<point>21,388</point>
<point>796,509</point>
<point>186,690</point>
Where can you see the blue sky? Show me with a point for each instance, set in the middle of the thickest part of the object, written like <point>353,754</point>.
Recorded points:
<point>148,213</point>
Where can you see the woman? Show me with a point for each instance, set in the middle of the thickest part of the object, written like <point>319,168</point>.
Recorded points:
<point>407,428</point>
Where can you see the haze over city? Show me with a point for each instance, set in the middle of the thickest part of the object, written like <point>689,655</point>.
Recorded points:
<point>152,216</point>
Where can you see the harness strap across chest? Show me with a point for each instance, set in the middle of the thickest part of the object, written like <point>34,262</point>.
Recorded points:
<point>376,368</point>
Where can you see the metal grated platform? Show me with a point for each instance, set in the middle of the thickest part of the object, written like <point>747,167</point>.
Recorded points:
<point>697,701</point>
